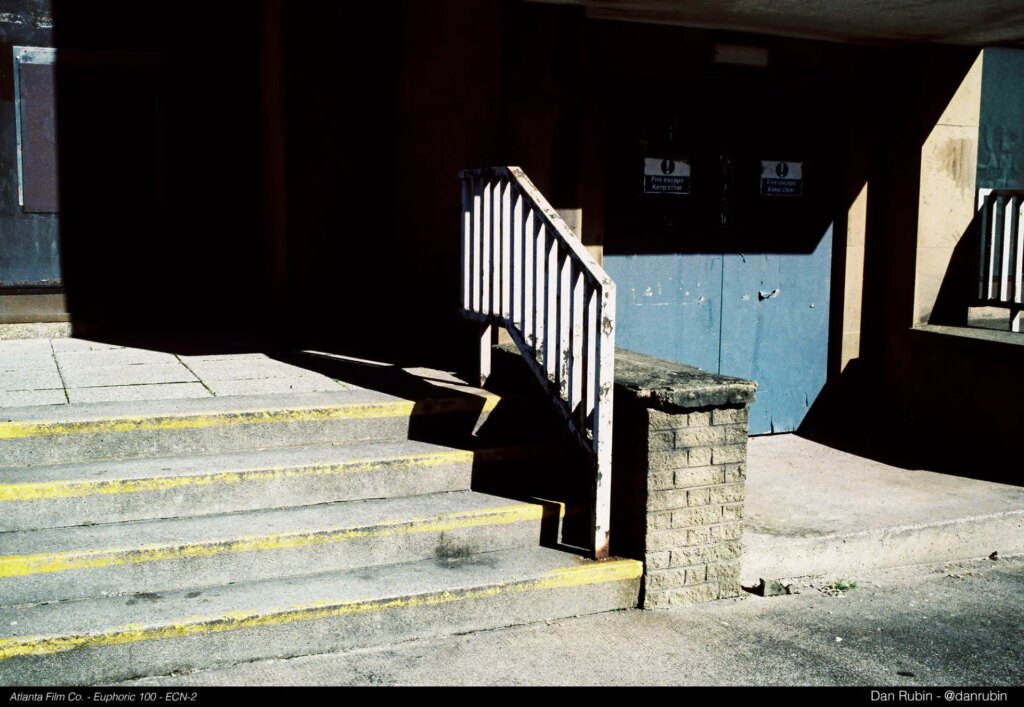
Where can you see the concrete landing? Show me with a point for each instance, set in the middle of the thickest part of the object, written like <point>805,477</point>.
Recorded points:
<point>814,510</point>
<point>62,371</point>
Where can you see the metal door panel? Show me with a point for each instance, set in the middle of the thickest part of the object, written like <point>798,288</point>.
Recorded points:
<point>775,330</point>
<point>669,305</point>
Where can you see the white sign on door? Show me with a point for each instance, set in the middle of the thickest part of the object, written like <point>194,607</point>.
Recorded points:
<point>665,175</point>
<point>781,178</point>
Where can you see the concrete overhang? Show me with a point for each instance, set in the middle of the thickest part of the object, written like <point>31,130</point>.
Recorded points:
<point>967,23</point>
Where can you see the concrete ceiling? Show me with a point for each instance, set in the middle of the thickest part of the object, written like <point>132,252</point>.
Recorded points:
<point>964,22</point>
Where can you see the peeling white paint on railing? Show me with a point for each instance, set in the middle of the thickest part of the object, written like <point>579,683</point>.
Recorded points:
<point>523,268</point>
<point>1001,267</point>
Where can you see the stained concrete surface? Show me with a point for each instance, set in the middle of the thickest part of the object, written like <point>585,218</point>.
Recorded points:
<point>956,624</point>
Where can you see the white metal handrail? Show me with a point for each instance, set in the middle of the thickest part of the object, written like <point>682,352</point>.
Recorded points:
<point>1001,266</point>
<point>523,268</point>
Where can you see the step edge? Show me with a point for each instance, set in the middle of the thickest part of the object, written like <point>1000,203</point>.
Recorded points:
<point>29,565</point>
<point>77,488</point>
<point>30,429</point>
<point>607,571</point>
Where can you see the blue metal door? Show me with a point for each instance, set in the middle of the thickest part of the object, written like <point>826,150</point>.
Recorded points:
<point>733,275</point>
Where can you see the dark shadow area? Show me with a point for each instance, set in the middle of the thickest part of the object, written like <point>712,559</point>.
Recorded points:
<point>959,288</point>
<point>551,464</point>
<point>946,435</point>
<point>228,170</point>
<point>158,137</point>
<point>454,429</point>
<point>667,99</point>
<point>629,481</point>
<point>916,399</point>
<point>522,453</point>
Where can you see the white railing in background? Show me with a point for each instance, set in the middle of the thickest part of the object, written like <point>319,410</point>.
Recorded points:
<point>1001,267</point>
<point>523,268</point>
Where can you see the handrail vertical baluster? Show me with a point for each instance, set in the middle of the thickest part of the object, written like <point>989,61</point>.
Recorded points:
<point>476,260</point>
<point>551,309</point>
<point>496,249</point>
<point>1018,285</point>
<point>516,306</point>
<point>564,322</point>
<point>984,243</point>
<point>540,302</point>
<point>589,356</point>
<point>995,246</point>
<point>576,342</point>
<point>529,270</point>
<point>1006,253</point>
<point>467,235</point>
<point>605,341</point>
<point>485,286</point>
<point>506,250</point>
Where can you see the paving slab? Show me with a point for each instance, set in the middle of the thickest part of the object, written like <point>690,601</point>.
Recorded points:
<point>245,369</point>
<point>269,386</point>
<point>127,375</point>
<point>24,346</point>
<point>29,398</point>
<point>15,364</point>
<point>153,391</point>
<point>76,344</point>
<point>105,358</point>
<point>31,379</point>
<point>189,360</point>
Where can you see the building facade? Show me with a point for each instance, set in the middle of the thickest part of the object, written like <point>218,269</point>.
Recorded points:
<point>787,198</point>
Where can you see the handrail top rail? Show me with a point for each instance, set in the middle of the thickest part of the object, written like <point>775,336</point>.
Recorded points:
<point>572,242</point>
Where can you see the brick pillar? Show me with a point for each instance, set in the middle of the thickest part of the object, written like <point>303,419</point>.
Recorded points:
<point>696,467</point>
<point>679,472</point>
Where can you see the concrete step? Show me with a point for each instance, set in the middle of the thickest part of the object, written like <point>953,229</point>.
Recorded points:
<point>32,436</point>
<point>169,487</point>
<point>119,638</point>
<point>163,555</point>
<point>848,554</point>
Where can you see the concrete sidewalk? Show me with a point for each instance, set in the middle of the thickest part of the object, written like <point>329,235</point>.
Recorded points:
<point>814,510</point>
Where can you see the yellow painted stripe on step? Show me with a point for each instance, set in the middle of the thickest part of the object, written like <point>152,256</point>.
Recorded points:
<point>44,563</point>
<point>15,429</point>
<point>563,578</point>
<point>34,491</point>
